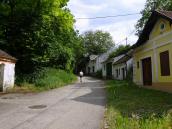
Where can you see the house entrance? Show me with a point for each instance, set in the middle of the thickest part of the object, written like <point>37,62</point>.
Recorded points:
<point>123,73</point>
<point>109,70</point>
<point>147,71</point>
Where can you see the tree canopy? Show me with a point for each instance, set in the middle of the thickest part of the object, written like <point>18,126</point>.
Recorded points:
<point>121,49</point>
<point>149,7</point>
<point>39,33</point>
<point>97,42</point>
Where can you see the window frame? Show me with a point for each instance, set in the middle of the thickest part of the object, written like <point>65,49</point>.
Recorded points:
<point>165,63</point>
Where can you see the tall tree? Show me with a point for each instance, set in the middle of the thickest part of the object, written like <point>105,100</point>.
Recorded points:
<point>38,33</point>
<point>97,42</point>
<point>149,7</point>
<point>121,49</point>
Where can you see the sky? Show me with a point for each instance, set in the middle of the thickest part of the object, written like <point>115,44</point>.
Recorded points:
<point>119,27</point>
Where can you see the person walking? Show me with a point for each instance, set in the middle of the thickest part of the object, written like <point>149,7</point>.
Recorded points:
<point>81,74</point>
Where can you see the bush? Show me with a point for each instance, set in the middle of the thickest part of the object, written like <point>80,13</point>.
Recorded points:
<point>99,74</point>
<point>47,78</point>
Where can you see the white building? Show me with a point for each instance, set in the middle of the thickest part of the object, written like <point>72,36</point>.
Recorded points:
<point>122,65</point>
<point>92,66</point>
<point>7,71</point>
<point>95,63</point>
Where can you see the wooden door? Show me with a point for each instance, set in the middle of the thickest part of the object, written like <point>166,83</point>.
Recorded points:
<point>109,70</point>
<point>123,73</point>
<point>147,71</point>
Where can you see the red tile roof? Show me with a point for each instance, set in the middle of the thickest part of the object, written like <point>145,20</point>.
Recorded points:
<point>144,36</point>
<point>6,56</point>
<point>166,13</point>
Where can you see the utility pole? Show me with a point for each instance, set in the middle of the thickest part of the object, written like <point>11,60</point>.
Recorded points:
<point>154,6</point>
<point>126,41</point>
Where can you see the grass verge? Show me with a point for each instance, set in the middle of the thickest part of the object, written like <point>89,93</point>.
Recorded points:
<point>131,107</point>
<point>46,79</point>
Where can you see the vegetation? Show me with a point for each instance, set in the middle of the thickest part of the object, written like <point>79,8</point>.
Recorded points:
<point>39,33</point>
<point>146,12</point>
<point>99,74</point>
<point>97,42</point>
<point>131,107</point>
<point>121,49</point>
<point>44,79</point>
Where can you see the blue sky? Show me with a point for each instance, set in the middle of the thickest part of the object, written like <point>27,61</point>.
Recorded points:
<point>118,27</point>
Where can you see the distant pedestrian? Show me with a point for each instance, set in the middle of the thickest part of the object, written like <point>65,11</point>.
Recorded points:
<point>81,74</point>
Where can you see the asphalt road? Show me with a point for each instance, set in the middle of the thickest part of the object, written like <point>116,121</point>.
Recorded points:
<point>78,106</point>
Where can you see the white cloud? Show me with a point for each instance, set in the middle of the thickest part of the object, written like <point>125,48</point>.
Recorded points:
<point>135,4</point>
<point>118,27</point>
<point>81,25</point>
<point>121,30</point>
<point>81,10</point>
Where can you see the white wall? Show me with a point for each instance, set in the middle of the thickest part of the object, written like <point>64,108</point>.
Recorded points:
<point>96,63</point>
<point>129,63</point>
<point>126,66</point>
<point>8,75</point>
<point>91,64</point>
<point>119,67</point>
<point>1,76</point>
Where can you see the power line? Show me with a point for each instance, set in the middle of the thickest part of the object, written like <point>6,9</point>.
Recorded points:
<point>125,39</point>
<point>103,17</point>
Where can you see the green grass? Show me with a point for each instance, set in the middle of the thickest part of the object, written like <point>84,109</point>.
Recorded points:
<point>131,107</point>
<point>46,79</point>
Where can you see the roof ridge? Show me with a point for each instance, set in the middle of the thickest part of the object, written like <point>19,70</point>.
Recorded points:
<point>4,54</point>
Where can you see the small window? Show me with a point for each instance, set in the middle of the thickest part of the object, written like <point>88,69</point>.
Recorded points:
<point>165,63</point>
<point>162,26</point>
<point>119,71</point>
<point>138,64</point>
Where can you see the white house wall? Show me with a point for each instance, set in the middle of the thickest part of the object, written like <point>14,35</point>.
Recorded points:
<point>129,63</point>
<point>8,75</point>
<point>119,67</point>
<point>1,76</point>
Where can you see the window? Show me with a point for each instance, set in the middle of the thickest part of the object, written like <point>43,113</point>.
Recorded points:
<point>138,65</point>
<point>162,26</point>
<point>165,63</point>
<point>119,71</point>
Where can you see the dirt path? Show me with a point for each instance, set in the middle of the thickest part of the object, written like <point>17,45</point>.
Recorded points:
<point>79,106</point>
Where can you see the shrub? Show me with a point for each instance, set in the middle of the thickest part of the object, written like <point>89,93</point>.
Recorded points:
<point>99,74</point>
<point>47,78</point>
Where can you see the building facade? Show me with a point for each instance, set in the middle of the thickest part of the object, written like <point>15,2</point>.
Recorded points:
<point>153,52</point>
<point>7,71</point>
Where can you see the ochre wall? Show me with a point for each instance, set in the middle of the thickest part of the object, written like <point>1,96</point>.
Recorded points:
<point>160,41</point>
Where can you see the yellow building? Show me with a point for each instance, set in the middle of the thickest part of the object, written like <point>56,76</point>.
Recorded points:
<point>153,52</point>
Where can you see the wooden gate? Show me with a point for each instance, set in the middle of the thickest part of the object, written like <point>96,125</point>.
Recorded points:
<point>147,71</point>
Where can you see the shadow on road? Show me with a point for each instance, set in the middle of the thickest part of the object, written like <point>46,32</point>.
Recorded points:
<point>97,94</point>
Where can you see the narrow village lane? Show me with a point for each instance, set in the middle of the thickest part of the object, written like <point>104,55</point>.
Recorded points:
<point>78,106</point>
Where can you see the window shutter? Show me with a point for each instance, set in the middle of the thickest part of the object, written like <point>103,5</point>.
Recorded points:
<point>165,63</point>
